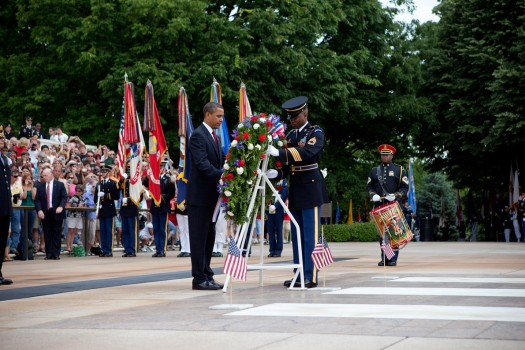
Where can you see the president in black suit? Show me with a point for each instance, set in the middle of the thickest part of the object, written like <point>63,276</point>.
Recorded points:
<point>206,160</point>
<point>6,210</point>
<point>49,203</point>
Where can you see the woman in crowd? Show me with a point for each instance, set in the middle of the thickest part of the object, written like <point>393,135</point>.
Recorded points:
<point>28,199</point>
<point>74,217</point>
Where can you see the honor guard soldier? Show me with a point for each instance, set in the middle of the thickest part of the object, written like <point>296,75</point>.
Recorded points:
<point>28,130</point>
<point>129,214</point>
<point>307,187</point>
<point>386,183</point>
<point>108,192</point>
<point>159,212</point>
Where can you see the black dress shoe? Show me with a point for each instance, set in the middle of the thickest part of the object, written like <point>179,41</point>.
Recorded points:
<point>271,255</point>
<point>309,284</point>
<point>102,254</point>
<point>277,255</point>
<point>381,263</point>
<point>287,283</point>
<point>184,255</point>
<point>128,255</point>
<point>391,263</point>
<point>159,255</point>
<point>205,286</point>
<point>215,283</point>
<point>5,281</point>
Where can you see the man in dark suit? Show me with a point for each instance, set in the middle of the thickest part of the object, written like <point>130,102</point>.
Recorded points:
<point>275,220</point>
<point>50,202</point>
<point>202,195</point>
<point>108,192</point>
<point>6,210</point>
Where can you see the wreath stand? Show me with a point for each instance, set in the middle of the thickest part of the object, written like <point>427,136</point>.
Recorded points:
<point>242,234</point>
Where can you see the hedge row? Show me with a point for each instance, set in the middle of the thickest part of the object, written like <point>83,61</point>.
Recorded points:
<point>359,232</point>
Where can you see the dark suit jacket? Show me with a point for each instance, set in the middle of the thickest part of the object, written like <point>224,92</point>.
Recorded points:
<point>6,206</point>
<point>59,199</point>
<point>206,161</point>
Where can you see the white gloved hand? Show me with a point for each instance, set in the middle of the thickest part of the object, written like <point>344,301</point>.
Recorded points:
<point>182,207</point>
<point>125,176</point>
<point>324,172</point>
<point>101,194</point>
<point>271,173</point>
<point>376,198</point>
<point>273,151</point>
<point>390,197</point>
<point>271,209</point>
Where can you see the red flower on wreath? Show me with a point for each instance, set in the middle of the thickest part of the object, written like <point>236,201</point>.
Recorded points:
<point>254,118</point>
<point>263,156</point>
<point>262,137</point>
<point>241,162</point>
<point>245,136</point>
<point>269,123</point>
<point>225,199</point>
<point>263,115</point>
<point>229,177</point>
<point>227,156</point>
<point>278,164</point>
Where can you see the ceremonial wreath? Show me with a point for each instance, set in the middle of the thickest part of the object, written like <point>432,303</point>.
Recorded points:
<point>243,162</point>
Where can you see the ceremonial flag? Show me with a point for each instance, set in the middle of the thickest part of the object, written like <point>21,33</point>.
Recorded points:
<point>350,213</point>
<point>387,249</point>
<point>245,110</point>
<point>185,131</point>
<point>411,189</point>
<point>216,96</point>
<point>321,255</point>
<point>516,190</point>
<point>157,142</point>
<point>511,185</point>
<point>337,213</point>
<point>122,147</point>
<point>359,215</point>
<point>131,128</point>
<point>235,264</point>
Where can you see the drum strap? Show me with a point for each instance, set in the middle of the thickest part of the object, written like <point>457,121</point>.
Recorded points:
<point>380,178</point>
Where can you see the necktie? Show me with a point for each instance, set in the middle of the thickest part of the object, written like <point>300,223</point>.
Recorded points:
<point>214,136</point>
<point>48,194</point>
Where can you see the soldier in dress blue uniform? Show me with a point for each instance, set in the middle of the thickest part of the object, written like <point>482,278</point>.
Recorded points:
<point>129,214</point>
<point>159,212</point>
<point>307,187</point>
<point>386,183</point>
<point>108,192</point>
<point>28,130</point>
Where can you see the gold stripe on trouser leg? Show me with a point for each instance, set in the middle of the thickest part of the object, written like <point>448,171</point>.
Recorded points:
<point>113,233</point>
<point>136,233</point>
<point>166,234</point>
<point>316,238</point>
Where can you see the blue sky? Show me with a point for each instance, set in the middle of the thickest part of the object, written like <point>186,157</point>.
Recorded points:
<point>423,11</point>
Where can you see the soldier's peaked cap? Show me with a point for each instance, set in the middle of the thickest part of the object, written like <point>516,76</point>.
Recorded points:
<point>386,149</point>
<point>295,106</point>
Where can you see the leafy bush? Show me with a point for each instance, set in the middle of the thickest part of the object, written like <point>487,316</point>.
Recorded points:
<point>359,232</point>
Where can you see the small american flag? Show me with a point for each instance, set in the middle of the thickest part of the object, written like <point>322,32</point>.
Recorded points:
<point>235,264</point>
<point>122,148</point>
<point>387,249</point>
<point>322,256</point>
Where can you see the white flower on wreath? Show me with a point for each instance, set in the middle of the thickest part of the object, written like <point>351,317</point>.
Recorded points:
<point>262,120</point>
<point>280,143</point>
<point>240,170</point>
<point>249,182</point>
<point>259,171</point>
<point>240,126</point>
<point>227,193</point>
<point>269,137</point>
<point>234,143</point>
<point>256,126</point>
<point>258,147</point>
<point>226,166</point>
<point>230,213</point>
<point>221,182</point>
<point>250,146</point>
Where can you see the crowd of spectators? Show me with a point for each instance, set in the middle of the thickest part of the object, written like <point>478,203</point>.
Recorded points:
<point>73,163</point>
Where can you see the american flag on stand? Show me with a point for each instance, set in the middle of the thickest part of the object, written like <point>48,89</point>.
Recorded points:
<point>387,249</point>
<point>235,264</point>
<point>322,256</point>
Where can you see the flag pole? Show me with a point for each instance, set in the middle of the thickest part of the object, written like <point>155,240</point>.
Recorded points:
<point>324,271</point>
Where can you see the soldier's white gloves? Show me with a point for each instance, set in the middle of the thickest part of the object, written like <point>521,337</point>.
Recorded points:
<point>273,151</point>
<point>324,172</point>
<point>271,209</point>
<point>125,176</point>
<point>101,194</point>
<point>390,197</point>
<point>376,198</point>
<point>271,173</point>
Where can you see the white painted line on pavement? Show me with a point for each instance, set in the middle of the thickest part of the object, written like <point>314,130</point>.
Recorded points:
<point>427,312</point>
<point>460,280</point>
<point>473,292</point>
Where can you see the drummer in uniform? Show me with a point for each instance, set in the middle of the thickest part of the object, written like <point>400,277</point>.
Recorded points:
<point>307,187</point>
<point>129,214</point>
<point>108,192</point>
<point>386,183</point>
